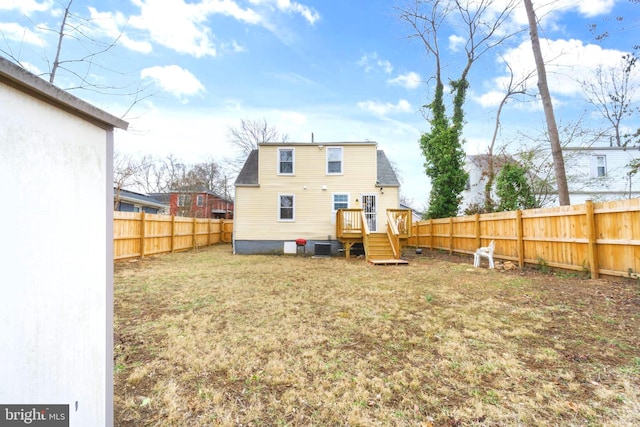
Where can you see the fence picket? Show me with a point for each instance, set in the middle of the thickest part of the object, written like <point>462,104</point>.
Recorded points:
<point>139,234</point>
<point>601,238</point>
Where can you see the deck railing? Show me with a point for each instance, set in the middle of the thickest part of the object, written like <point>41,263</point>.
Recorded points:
<point>349,223</point>
<point>393,234</point>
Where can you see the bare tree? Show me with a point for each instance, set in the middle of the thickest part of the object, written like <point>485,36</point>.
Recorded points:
<point>79,70</point>
<point>612,93</point>
<point>554,138</point>
<point>126,170</point>
<point>246,137</point>
<point>512,89</point>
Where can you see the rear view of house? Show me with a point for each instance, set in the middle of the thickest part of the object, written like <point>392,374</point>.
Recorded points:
<point>291,191</point>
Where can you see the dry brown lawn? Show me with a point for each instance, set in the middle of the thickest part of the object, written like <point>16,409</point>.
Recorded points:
<point>209,338</point>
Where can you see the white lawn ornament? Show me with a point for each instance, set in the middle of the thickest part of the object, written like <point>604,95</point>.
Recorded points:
<point>486,252</point>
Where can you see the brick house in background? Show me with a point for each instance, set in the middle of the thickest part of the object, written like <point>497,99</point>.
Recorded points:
<point>198,203</point>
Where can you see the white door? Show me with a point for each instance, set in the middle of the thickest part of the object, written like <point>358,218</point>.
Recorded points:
<point>370,206</point>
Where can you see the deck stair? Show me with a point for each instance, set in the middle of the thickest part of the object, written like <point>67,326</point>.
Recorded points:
<point>380,247</point>
<point>380,252</point>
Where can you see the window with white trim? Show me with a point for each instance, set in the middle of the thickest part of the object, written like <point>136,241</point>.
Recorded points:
<point>598,166</point>
<point>184,200</point>
<point>286,161</point>
<point>286,207</point>
<point>340,201</point>
<point>200,200</point>
<point>334,160</point>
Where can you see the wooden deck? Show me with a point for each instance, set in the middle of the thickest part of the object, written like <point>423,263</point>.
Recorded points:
<point>381,248</point>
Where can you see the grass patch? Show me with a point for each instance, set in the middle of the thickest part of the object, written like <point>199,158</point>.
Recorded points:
<point>209,338</point>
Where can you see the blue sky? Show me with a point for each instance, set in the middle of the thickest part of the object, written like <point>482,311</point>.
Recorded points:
<point>344,70</point>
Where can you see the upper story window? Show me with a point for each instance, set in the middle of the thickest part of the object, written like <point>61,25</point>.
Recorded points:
<point>184,200</point>
<point>285,161</point>
<point>598,166</point>
<point>286,207</point>
<point>200,200</point>
<point>334,161</point>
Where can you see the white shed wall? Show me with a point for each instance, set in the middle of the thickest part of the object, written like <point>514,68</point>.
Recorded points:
<point>56,304</point>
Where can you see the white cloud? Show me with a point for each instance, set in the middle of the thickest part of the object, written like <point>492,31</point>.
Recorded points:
<point>369,61</point>
<point>288,6</point>
<point>175,80</point>
<point>26,7</point>
<point>455,42</point>
<point>382,109</point>
<point>111,23</point>
<point>592,8</point>
<point>410,80</point>
<point>181,26</point>
<point>567,62</point>
<point>18,33</point>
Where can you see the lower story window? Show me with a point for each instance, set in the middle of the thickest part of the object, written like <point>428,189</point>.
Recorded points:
<point>340,201</point>
<point>286,207</point>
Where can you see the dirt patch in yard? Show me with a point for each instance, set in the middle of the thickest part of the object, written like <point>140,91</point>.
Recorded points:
<point>211,338</point>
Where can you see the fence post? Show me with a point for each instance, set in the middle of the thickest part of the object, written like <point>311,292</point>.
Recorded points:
<point>520,233</point>
<point>142,234</point>
<point>173,233</point>
<point>430,234</point>
<point>195,237</point>
<point>478,230</point>
<point>209,232</point>
<point>591,236</point>
<point>450,235</point>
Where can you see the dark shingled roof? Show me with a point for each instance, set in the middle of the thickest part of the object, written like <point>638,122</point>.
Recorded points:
<point>248,176</point>
<point>386,177</point>
<point>131,196</point>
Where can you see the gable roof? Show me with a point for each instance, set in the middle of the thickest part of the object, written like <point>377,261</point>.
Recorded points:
<point>386,175</point>
<point>248,176</point>
<point>133,197</point>
<point>22,80</point>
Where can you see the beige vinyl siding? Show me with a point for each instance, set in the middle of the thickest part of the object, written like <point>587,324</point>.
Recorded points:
<point>257,218</point>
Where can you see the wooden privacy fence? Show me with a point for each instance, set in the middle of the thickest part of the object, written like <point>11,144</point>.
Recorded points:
<point>138,234</point>
<point>601,238</point>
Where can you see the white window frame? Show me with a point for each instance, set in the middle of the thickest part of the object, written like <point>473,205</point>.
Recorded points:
<point>200,200</point>
<point>333,201</point>
<point>183,200</point>
<point>293,161</point>
<point>293,208</point>
<point>598,166</point>
<point>341,150</point>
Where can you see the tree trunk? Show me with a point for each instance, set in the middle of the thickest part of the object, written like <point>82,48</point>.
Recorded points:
<point>554,138</point>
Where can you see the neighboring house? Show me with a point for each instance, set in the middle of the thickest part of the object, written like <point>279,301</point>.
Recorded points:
<point>415,215</point>
<point>593,173</point>
<point>56,309</point>
<point>600,173</point>
<point>477,166</point>
<point>198,203</point>
<point>290,191</point>
<point>129,201</point>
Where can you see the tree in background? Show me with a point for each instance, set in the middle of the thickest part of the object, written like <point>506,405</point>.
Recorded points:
<point>77,55</point>
<point>513,88</point>
<point>513,190</point>
<point>442,144</point>
<point>126,172</point>
<point>612,92</point>
<point>246,137</point>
